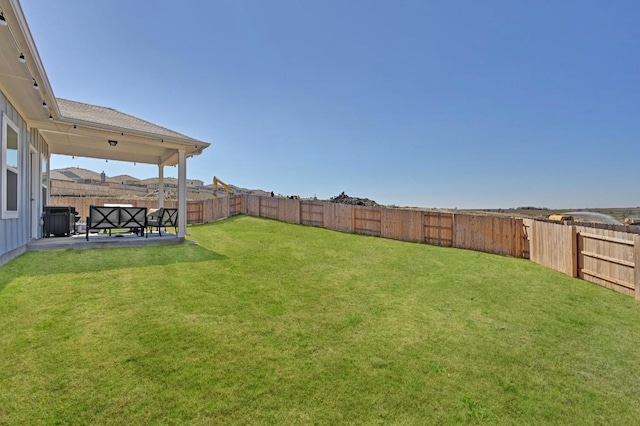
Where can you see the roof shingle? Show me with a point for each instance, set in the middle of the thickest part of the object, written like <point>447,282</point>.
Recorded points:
<point>114,118</point>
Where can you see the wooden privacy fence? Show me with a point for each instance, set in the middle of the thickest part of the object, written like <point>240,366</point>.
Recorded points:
<point>553,245</point>
<point>205,211</point>
<point>601,255</point>
<point>609,258</point>
<point>438,229</point>
<point>236,204</point>
<point>312,213</point>
<point>490,234</point>
<point>606,257</point>
<point>500,235</point>
<point>367,220</point>
<point>195,212</point>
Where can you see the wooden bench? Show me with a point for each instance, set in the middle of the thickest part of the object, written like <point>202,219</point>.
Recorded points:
<point>117,217</point>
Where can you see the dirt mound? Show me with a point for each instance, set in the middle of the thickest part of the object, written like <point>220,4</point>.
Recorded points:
<point>354,201</point>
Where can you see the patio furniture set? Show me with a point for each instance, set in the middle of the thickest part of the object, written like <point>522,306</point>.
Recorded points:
<point>62,221</point>
<point>135,219</point>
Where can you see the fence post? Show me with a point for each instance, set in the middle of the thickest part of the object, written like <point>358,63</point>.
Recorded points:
<point>453,230</point>
<point>519,242</point>
<point>636,264</point>
<point>353,219</point>
<point>324,215</point>
<point>575,261</point>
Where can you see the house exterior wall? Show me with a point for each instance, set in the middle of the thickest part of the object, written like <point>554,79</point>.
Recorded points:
<point>15,233</point>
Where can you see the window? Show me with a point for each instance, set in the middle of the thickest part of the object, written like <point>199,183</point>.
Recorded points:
<point>10,183</point>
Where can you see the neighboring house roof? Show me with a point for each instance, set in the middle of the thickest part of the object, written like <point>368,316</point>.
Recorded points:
<point>77,173</point>
<point>111,117</point>
<point>80,173</point>
<point>57,175</point>
<point>122,178</point>
<point>71,175</point>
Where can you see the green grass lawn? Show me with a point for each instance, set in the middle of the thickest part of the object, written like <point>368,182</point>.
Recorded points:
<point>263,322</point>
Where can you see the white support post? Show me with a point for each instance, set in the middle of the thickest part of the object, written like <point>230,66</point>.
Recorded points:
<point>182,194</point>
<point>160,185</point>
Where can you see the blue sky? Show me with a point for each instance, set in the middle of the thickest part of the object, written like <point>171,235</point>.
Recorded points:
<point>468,104</point>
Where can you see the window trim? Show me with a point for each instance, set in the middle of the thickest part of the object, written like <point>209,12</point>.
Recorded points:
<point>4,213</point>
<point>44,179</point>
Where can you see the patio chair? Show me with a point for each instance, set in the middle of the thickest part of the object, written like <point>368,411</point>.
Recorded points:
<point>163,218</point>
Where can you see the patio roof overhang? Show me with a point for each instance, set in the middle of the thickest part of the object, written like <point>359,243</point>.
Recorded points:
<point>85,138</point>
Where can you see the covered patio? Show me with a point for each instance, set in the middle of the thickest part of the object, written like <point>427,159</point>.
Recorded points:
<point>84,130</point>
<point>36,124</point>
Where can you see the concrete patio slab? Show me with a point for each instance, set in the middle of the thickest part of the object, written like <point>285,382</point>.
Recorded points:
<point>79,242</point>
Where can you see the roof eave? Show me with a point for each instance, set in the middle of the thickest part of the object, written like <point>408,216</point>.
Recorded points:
<point>100,126</point>
<point>25,42</point>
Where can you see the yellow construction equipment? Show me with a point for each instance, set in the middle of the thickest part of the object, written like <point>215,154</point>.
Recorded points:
<point>217,182</point>
<point>560,217</point>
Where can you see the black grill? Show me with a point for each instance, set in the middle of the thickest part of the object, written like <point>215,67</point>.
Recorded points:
<point>59,221</point>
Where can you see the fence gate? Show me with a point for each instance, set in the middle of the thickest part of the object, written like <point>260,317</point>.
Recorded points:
<point>367,220</point>
<point>438,229</point>
<point>606,260</point>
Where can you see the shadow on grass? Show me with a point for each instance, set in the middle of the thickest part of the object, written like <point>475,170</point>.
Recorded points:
<point>98,260</point>
<point>229,219</point>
